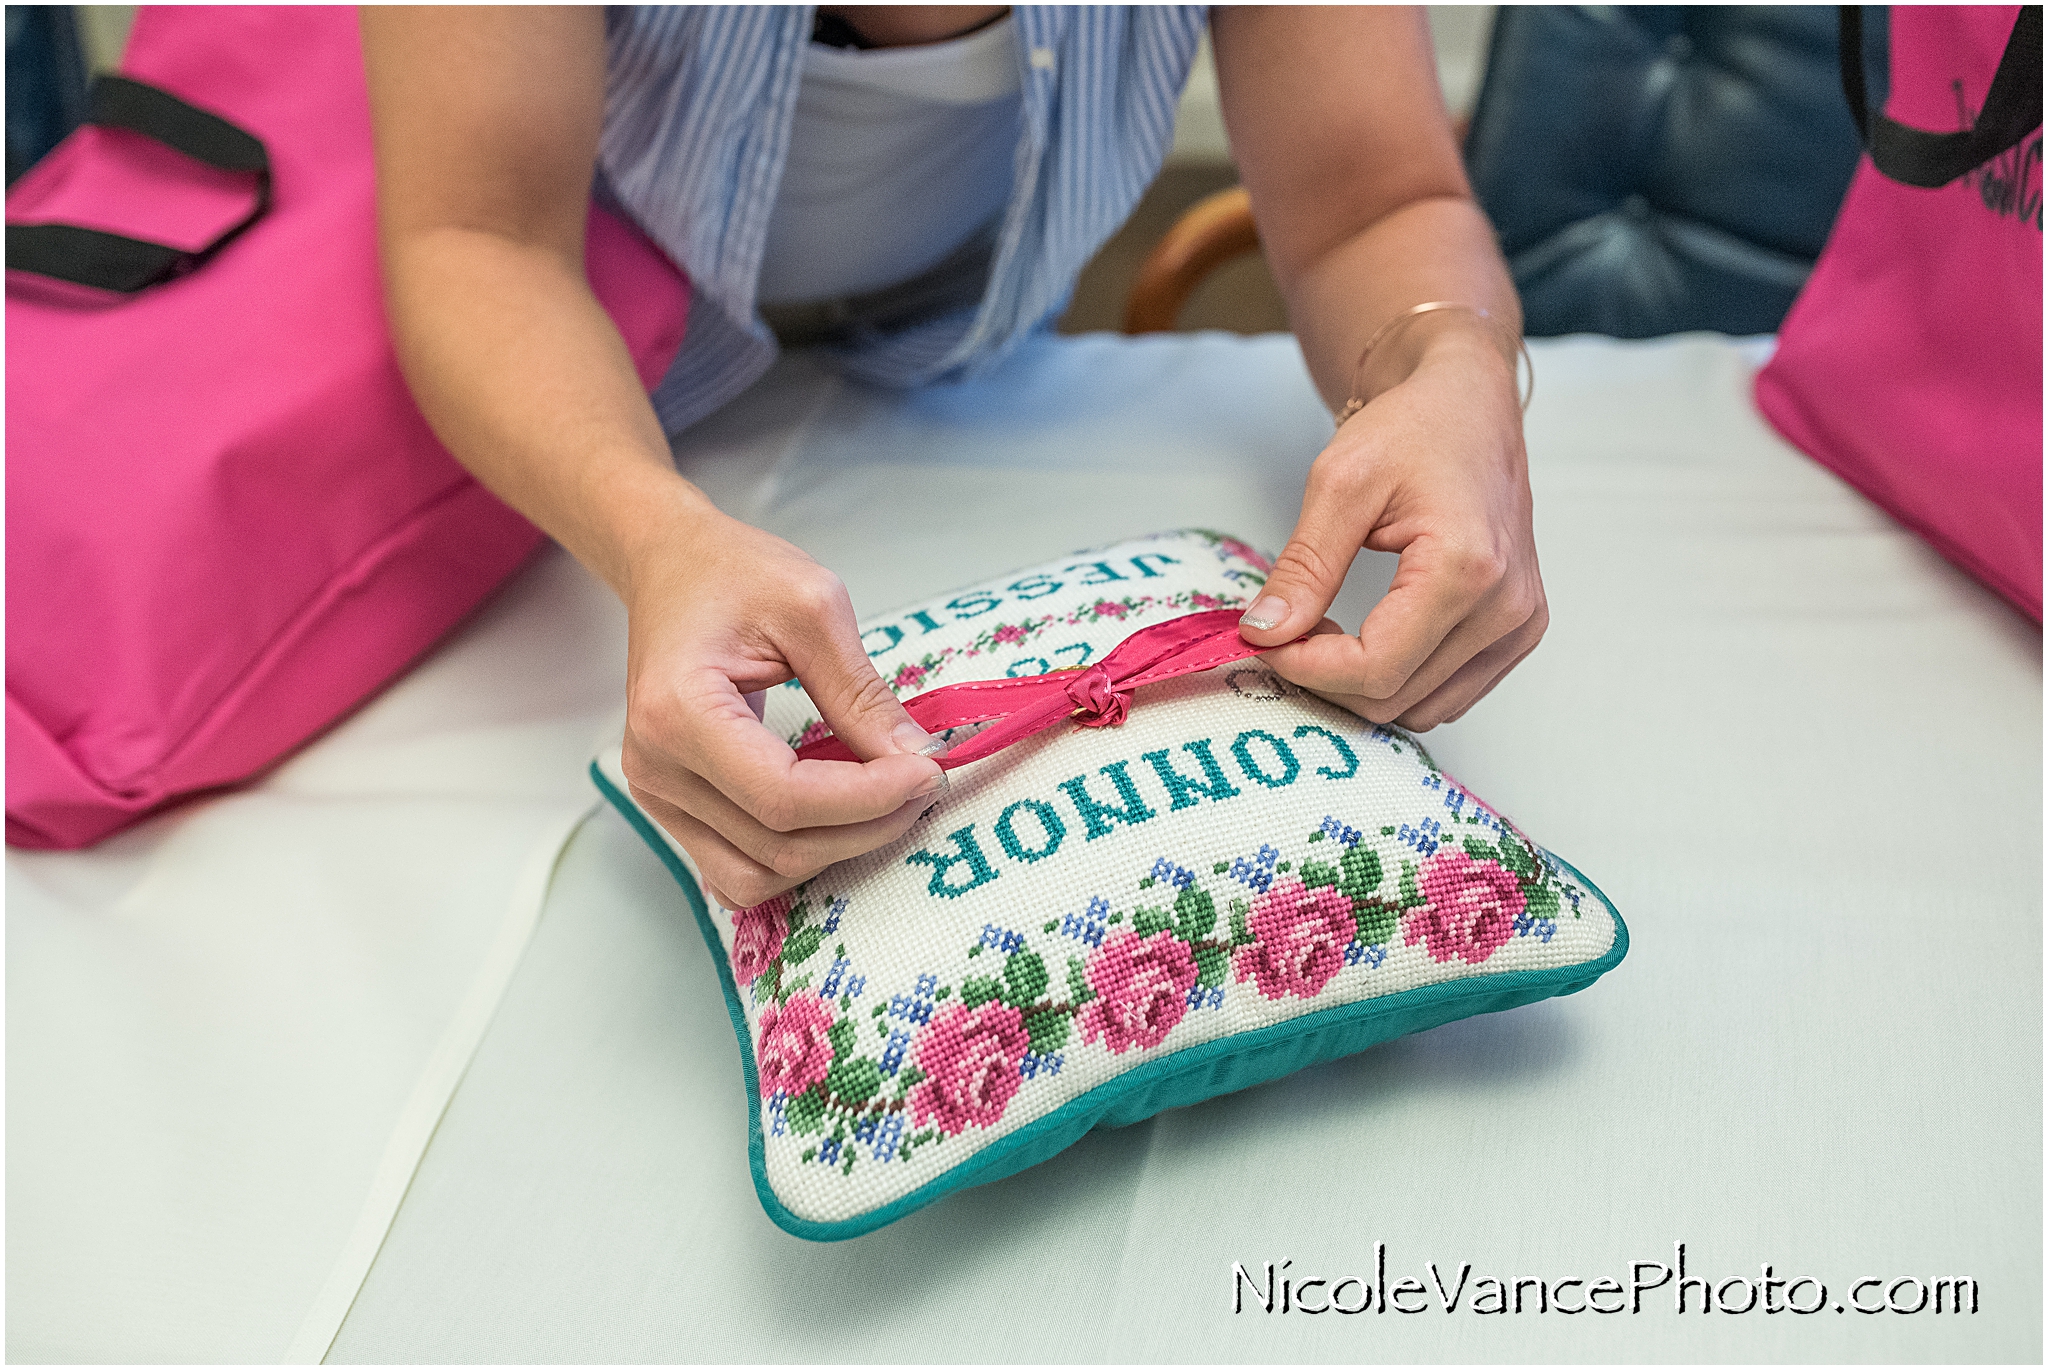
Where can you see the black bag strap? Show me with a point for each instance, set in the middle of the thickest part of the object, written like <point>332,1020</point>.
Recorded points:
<point>112,261</point>
<point>1916,157</point>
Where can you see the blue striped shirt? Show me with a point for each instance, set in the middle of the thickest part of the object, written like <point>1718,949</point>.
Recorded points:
<point>699,103</point>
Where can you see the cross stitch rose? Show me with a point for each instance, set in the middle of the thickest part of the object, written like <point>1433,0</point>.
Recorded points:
<point>757,935</point>
<point>1141,989</point>
<point>1244,553</point>
<point>969,1058</point>
<point>795,1047</point>
<point>1299,939</point>
<point>1471,910</point>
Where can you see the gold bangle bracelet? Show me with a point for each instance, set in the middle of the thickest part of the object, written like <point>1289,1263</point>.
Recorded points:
<point>1400,320</point>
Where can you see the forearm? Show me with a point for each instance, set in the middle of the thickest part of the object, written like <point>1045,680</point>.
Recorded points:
<point>526,380</point>
<point>1435,248</point>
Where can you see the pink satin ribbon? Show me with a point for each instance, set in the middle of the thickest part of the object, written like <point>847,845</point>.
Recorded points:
<point>1097,696</point>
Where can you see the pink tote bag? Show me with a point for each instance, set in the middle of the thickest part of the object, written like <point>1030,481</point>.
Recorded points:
<point>1910,364</point>
<point>227,523</point>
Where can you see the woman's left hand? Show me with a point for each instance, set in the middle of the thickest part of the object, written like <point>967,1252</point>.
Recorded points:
<point>1434,469</point>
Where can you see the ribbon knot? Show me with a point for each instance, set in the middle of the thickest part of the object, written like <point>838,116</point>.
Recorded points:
<point>1097,701</point>
<point>1099,697</point>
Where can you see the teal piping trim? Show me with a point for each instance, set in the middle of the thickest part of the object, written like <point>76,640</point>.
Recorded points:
<point>1185,1077</point>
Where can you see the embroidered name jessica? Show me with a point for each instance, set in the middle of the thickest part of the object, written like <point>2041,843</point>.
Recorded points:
<point>967,865</point>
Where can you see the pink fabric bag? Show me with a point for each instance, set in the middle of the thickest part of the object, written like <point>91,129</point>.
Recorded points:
<point>227,523</point>
<point>1910,365</point>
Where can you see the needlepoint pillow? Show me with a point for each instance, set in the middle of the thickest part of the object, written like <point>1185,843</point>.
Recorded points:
<point>1096,923</point>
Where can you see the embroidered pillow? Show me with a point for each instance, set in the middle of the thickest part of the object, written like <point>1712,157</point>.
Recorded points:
<point>1099,923</point>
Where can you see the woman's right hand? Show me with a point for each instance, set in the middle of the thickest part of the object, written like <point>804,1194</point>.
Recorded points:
<point>716,614</point>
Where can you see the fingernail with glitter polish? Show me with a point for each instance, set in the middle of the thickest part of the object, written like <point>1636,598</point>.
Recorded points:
<point>1268,611</point>
<point>911,738</point>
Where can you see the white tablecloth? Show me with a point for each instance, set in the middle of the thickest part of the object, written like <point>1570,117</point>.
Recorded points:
<point>1800,752</point>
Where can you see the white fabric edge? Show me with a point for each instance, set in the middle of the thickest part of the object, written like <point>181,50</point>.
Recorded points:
<point>432,1093</point>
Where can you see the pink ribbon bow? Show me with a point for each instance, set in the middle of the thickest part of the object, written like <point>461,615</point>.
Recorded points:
<point>1098,696</point>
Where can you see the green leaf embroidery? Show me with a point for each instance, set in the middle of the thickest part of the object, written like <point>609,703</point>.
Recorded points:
<point>1411,897</point>
<point>1053,926</point>
<point>1024,979</point>
<point>1517,857</point>
<point>841,1036</point>
<point>801,944</point>
<point>1316,836</point>
<point>909,1076</point>
<point>1481,851</point>
<point>1376,922</point>
<point>1048,1030</point>
<point>1147,883</point>
<point>1077,980</point>
<point>1194,914</point>
<point>978,991</point>
<point>1361,872</point>
<point>1219,868</point>
<point>1542,902</point>
<point>944,990</point>
<point>1147,920</point>
<point>1240,930</point>
<point>1214,965</point>
<point>854,1081</point>
<point>806,1112</point>
<point>801,982</point>
<point>1315,874</point>
<point>975,950</point>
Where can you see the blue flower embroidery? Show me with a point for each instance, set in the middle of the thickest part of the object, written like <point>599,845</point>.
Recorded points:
<point>1340,832</point>
<point>1256,872</point>
<point>1090,924</point>
<point>834,978</point>
<point>893,1050</point>
<point>828,1151</point>
<point>1180,877</point>
<point>1360,954</point>
<point>888,1137</point>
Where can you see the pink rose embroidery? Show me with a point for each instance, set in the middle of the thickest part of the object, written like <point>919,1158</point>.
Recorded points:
<point>795,1045</point>
<point>909,677</point>
<point>811,734</point>
<point>1300,937</point>
<point>969,1058</point>
<point>1008,633</point>
<point>1202,601</point>
<point>1141,989</point>
<point>757,935</point>
<point>1109,609</point>
<point>1244,553</point>
<point>1471,910</point>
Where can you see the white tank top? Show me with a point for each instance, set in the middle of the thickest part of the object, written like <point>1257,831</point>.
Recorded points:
<point>897,156</point>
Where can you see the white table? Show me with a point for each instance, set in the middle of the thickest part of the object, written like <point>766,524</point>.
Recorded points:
<point>1800,752</point>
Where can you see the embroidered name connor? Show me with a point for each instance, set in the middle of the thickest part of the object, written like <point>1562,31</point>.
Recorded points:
<point>1031,830</point>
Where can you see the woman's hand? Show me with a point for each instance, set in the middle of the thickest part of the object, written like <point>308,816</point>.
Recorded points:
<point>720,615</point>
<point>1364,212</point>
<point>1432,468</point>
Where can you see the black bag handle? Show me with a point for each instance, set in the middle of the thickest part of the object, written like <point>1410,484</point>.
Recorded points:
<point>111,261</point>
<point>1916,157</point>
